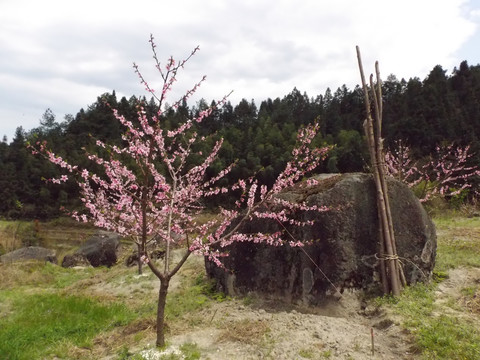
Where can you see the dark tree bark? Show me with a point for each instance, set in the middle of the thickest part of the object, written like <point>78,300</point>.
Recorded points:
<point>162,300</point>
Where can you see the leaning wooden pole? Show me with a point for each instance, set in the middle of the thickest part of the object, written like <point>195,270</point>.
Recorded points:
<point>375,146</point>
<point>378,107</point>
<point>377,94</point>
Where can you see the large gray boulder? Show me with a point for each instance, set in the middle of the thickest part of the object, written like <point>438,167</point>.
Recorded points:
<point>30,253</point>
<point>345,251</point>
<point>98,250</point>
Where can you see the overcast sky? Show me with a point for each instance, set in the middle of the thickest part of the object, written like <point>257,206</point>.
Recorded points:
<point>62,54</point>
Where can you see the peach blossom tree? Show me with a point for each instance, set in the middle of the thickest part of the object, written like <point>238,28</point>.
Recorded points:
<point>446,173</point>
<point>154,197</point>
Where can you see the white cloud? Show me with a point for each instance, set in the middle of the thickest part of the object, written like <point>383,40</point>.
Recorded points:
<point>63,55</point>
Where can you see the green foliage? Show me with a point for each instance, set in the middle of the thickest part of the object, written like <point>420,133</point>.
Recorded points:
<point>190,298</point>
<point>469,291</point>
<point>456,201</point>
<point>423,114</point>
<point>40,324</point>
<point>439,337</point>
<point>350,151</point>
<point>208,287</point>
<point>451,255</point>
<point>125,354</point>
<point>458,242</point>
<point>452,222</point>
<point>29,233</point>
<point>327,354</point>
<point>15,278</point>
<point>63,277</point>
<point>449,338</point>
<point>190,351</point>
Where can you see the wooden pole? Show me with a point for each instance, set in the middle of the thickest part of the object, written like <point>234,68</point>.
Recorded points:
<point>375,145</point>
<point>380,159</point>
<point>383,269</point>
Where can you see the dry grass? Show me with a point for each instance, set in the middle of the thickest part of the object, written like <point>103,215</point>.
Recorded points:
<point>471,301</point>
<point>60,235</point>
<point>113,341</point>
<point>24,274</point>
<point>8,236</point>
<point>206,216</point>
<point>247,331</point>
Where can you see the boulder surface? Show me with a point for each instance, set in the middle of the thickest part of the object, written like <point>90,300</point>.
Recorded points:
<point>98,250</point>
<point>345,250</point>
<point>30,253</point>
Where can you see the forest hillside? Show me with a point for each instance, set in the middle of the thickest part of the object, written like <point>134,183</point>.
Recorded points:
<point>438,110</point>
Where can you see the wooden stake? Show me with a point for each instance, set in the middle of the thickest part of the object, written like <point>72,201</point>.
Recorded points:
<point>373,341</point>
<point>380,158</point>
<point>383,270</point>
<point>388,251</point>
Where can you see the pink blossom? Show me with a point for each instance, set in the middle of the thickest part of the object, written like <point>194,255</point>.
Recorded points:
<point>147,192</point>
<point>445,173</point>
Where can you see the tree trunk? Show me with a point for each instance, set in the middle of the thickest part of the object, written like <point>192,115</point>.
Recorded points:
<point>162,297</point>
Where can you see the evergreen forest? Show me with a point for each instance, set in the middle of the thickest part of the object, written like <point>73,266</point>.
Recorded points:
<point>441,109</point>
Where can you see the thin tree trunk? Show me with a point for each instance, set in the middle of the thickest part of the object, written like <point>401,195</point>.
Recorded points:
<point>162,295</point>
<point>162,300</point>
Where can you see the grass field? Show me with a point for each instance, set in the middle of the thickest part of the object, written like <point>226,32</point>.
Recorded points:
<point>448,329</point>
<point>48,312</point>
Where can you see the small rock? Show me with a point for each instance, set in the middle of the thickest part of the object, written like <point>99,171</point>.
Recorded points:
<point>384,324</point>
<point>371,311</point>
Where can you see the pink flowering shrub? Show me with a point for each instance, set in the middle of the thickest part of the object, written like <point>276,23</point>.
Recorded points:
<point>155,197</point>
<point>446,173</point>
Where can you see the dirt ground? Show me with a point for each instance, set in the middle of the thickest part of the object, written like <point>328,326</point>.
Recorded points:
<point>340,330</point>
<point>269,329</point>
<point>252,328</point>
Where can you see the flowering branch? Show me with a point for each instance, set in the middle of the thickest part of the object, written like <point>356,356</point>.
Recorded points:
<point>148,192</point>
<point>446,173</point>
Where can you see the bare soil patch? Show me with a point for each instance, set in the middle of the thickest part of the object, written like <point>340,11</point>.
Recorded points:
<point>459,295</point>
<point>254,328</point>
